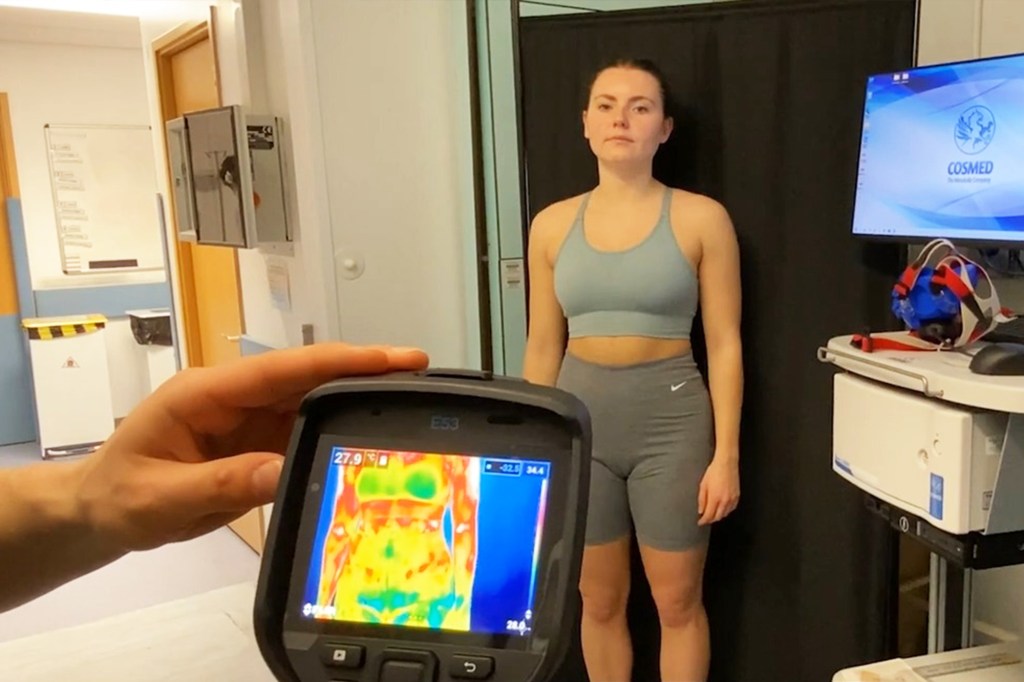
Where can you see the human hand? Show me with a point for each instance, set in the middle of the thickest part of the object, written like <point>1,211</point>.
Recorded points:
<point>719,490</point>
<point>207,446</point>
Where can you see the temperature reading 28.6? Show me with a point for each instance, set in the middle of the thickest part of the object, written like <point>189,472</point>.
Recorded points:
<point>519,626</point>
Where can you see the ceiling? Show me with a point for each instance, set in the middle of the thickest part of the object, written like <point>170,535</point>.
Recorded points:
<point>23,25</point>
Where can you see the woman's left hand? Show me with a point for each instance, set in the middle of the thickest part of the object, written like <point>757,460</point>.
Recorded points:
<point>719,490</point>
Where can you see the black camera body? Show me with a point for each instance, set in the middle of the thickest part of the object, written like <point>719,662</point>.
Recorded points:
<point>428,527</point>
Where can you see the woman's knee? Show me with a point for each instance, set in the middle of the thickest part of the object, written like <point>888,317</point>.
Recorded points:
<point>677,607</point>
<point>604,603</point>
<point>604,581</point>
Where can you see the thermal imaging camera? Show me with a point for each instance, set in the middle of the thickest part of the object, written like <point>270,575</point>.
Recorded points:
<point>429,527</point>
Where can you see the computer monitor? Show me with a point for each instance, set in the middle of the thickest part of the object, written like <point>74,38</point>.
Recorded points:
<point>942,154</point>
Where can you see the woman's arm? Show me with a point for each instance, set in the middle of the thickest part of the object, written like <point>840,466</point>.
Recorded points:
<point>545,341</point>
<point>720,297</point>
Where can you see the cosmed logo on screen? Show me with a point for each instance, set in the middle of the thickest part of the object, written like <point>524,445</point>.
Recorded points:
<point>975,129</point>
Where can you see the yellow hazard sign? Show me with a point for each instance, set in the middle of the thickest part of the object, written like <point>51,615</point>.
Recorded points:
<point>44,329</point>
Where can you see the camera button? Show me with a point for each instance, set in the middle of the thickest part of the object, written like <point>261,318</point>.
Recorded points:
<point>407,665</point>
<point>471,667</point>
<point>403,671</point>
<point>337,655</point>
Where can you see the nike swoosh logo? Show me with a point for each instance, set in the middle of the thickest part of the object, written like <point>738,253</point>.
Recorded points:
<point>676,387</point>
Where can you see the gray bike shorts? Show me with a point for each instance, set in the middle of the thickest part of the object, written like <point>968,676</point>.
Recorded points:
<point>652,442</point>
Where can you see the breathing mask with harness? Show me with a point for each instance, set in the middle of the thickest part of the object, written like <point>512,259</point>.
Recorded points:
<point>946,300</point>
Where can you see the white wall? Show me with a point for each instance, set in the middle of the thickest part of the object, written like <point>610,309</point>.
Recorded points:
<point>394,110</point>
<point>363,178</point>
<point>948,31</point>
<point>955,30</point>
<point>277,84</point>
<point>259,44</point>
<point>291,92</point>
<point>379,168</point>
<point>50,80</point>
<point>64,84</point>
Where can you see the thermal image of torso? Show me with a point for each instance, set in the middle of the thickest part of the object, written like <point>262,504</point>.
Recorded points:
<point>401,549</point>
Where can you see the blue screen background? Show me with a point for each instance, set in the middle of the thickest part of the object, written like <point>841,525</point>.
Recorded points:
<point>508,512</point>
<point>942,153</point>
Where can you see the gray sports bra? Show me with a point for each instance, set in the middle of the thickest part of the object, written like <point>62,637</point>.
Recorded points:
<point>647,290</point>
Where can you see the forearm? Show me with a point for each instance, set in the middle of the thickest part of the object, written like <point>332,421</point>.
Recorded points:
<point>466,514</point>
<point>725,383</point>
<point>542,362</point>
<point>465,561</point>
<point>334,550</point>
<point>44,539</point>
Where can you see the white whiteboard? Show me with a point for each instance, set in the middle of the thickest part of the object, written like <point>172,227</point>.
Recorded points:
<point>104,196</point>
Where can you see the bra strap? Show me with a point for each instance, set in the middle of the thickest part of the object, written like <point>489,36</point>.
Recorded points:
<point>583,206</point>
<point>577,225</point>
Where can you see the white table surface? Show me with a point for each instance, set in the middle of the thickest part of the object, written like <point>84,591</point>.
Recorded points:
<point>992,663</point>
<point>205,638</point>
<point>209,638</point>
<point>947,375</point>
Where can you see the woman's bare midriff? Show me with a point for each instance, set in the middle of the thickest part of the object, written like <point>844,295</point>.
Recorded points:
<point>626,350</point>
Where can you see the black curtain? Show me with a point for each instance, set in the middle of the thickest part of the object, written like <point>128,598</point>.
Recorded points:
<point>800,580</point>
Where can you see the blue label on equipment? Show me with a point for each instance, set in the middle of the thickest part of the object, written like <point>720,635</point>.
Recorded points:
<point>935,497</point>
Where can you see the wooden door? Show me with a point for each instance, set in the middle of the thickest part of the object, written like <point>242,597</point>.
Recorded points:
<point>207,275</point>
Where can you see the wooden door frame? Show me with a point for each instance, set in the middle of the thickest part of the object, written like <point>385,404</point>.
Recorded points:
<point>8,189</point>
<point>164,49</point>
<point>8,167</point>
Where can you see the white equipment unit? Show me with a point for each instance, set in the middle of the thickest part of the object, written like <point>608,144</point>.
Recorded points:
<point>920,431</point>
<point>931,458</point>
<point>71,378</point>
<point>940,452</point>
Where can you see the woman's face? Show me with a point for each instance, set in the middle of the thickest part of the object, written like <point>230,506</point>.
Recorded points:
<point>624,120</point>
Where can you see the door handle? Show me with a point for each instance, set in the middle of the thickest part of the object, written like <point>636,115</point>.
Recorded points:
<point>233,338</point>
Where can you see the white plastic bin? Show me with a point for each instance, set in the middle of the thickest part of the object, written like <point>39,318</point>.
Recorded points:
<point>74,410</point>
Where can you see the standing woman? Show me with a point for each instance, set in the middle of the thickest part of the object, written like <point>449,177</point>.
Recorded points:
<point>622,268</point>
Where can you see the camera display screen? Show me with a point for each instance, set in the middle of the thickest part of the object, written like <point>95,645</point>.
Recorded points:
<point>440,541</point>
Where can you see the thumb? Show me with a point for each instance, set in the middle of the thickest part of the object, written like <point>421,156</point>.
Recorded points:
<point>702,497</point>
<point>233,484</point>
